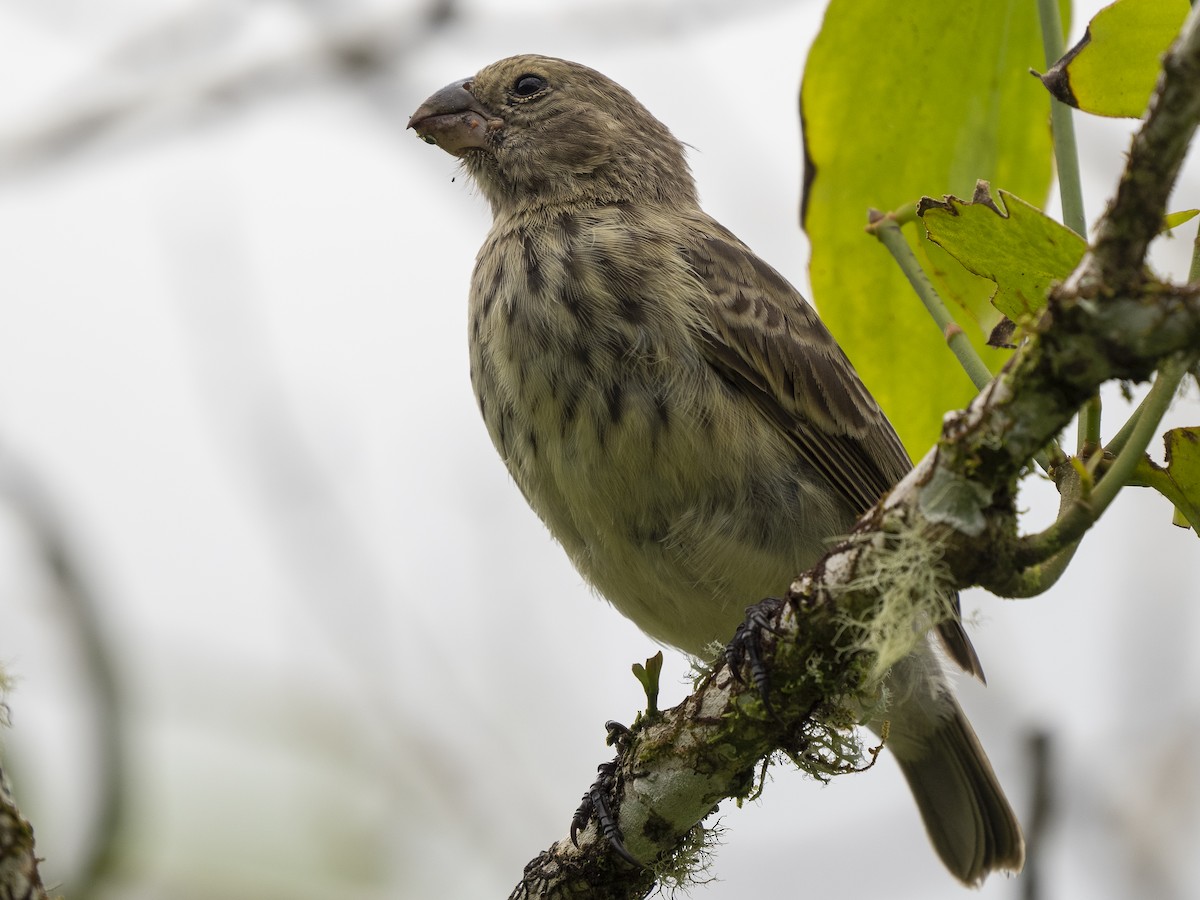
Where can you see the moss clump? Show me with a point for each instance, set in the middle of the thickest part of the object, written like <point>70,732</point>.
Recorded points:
<point>689,863</point>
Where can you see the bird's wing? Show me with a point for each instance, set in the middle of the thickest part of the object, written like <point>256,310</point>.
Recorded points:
<point>769,342</point>
<point>765,338</point>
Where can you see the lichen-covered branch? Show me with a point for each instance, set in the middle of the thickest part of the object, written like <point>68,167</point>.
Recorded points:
<point>1109,321</point>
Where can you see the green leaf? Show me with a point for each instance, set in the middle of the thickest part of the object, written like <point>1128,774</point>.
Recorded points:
<point>1018,247</point>
<point>648,676</point>
<point>1183,468</point>
<point>902,100</point>
<point>1112,70</point>
<point>1175,219</point>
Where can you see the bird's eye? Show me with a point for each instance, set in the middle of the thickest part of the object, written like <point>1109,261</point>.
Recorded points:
<point>528,85</point>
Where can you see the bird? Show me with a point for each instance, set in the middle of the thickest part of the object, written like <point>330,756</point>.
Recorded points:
<point>673,409</point>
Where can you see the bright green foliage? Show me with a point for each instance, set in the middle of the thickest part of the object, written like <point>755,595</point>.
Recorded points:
<point>1183,468</point>
<point>648,675</point>
<point>1175,219</point>
<point>1018,247</point>
<point>1112,70</point>
<point>902,100</point>
<point>1179,480</point>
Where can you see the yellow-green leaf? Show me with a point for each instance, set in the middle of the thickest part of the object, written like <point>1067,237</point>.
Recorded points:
<point>902,100</point>
<point>648,676</point>
<point>1175,219</point>
<point>1183,468</point>
<point>1018,247</point>
<point>1113,68</point>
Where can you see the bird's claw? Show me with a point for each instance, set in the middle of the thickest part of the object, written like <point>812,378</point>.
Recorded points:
<point>618,734</point>
<point>746,646</point>
<point>595,805</point>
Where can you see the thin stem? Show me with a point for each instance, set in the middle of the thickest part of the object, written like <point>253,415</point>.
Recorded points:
<point>889,233</point>
<point>1074,482</point>
<point>1066,159</point>
<point>1088,440</point>
<point>1121,438</point>
<point>905,213</point>
<point>886,229</point>
<point>1066,156</point>
<point>1159,398</point>
<point>1040,577</point>
<point>1151,476</point>
<point>1194,271</point>
<point>1075,521</point>
<point>1194,278</point>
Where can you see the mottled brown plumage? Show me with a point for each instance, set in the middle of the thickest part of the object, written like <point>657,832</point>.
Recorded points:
<point>672,408</point>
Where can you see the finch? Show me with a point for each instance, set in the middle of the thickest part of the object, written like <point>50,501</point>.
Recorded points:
<point>673,409</point>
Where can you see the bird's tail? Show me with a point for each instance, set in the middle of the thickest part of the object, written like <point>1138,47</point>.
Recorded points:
<point>968,818</point>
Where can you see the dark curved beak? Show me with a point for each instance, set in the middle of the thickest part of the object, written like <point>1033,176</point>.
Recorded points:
<point>454,120</point>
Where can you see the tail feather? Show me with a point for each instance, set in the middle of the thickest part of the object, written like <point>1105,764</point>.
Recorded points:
<point>969,821</point>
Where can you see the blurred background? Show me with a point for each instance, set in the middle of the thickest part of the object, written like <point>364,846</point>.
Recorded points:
<point>278,623</point>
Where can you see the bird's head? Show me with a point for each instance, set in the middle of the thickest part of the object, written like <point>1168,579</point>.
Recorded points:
<point>537,131</point>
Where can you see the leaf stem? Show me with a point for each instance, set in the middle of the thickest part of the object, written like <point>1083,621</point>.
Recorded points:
<point>1066,160</point>
<point>1082,514</point>
<point>1066,156</point>
<point>1149,475</point>
<point>1194,270</point>
<point>887,230</point>
<point>1073,484</point>
<point>1121,438</point>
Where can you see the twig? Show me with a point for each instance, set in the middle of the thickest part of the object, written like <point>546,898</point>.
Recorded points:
<point>886,229</point>
<point>1086,511</point>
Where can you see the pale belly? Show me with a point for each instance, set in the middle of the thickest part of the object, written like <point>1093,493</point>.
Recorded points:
<point>680,504</point>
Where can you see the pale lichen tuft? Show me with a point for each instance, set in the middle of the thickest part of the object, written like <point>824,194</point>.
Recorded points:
<point>911,591</point>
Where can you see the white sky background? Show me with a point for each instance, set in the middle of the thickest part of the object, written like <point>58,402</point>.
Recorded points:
<point>351,661</point>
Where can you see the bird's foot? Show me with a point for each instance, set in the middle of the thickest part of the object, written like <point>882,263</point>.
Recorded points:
<point>746,647</point>
<point>597,800</point>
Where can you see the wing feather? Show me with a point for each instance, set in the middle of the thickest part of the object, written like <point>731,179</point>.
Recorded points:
<point>766,338</point>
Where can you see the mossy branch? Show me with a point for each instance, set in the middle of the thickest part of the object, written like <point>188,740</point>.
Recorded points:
<point>1108,321</point>
<point>19,876</point>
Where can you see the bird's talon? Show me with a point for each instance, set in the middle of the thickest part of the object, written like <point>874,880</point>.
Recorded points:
<point>746,647</point>
<point>617,733</point>
<point>595,806</point>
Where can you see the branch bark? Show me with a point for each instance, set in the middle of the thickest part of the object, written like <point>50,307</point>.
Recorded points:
<point>19,876</point>
<point>1109,321</point>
